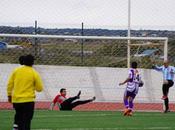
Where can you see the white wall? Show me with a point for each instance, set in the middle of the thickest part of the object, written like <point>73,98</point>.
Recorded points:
<point>99,81</point>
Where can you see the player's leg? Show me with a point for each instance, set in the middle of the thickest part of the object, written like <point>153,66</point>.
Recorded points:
<point>166,103</point>
<point>29,111</point>
<point>164,91</point>
<point>165,88</point>
<point>74,104</point>
<point>19,115</point>
<point>164,97</point>
<point>131,99</point>
<point>71,99</point>
<point>126,103</point>
<point>125,99</point>
<point>166,100</point>
<point>66,105</point>
<point>15,124</point>
<point>131,104</point>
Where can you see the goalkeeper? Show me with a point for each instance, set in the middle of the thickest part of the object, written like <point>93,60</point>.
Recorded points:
<point>168,76</point>
<point>21,87</point>
<point>68,103</point>
<point>133,83</point>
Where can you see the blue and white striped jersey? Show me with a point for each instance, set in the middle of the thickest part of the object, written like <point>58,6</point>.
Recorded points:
<point>168,72</point>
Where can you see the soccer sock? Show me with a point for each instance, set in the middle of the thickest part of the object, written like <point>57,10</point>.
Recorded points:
<point>126,103</point>
<point>131,104</point>
<point>166,101</point>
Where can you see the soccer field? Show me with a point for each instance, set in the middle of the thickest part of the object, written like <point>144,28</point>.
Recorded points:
<point>93,120</point>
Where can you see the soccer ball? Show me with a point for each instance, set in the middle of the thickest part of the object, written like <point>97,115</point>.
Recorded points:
<point>141,83</point>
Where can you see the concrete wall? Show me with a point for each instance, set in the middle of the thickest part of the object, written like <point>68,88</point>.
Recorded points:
<point>99,81</point>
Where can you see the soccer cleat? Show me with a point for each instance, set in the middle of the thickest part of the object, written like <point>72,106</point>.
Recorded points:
<point>129,113</point>
<point>126,111</point>
<point>15,127</point>
<point>164,97</point>
<point>93,98</point>
<point>78,95</point>
<point>166,111</point>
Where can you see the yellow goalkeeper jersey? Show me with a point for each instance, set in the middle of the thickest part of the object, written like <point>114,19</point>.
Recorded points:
<point>23,83</point>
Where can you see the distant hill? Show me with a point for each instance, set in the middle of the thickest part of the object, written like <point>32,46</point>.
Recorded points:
<point>87,32</point>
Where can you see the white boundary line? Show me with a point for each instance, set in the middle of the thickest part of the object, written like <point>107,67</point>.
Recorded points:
<point>94,115</point>
<point>85,115</point>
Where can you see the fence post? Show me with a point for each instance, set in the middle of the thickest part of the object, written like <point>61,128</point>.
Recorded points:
<point>82,44</point>
<point>35,40</point>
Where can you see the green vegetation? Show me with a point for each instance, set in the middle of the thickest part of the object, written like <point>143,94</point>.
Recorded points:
<point>101,53</point>
<point>92,53</point>
<point>93,120</point>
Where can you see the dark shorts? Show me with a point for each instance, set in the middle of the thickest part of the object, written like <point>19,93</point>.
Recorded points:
<point>170,83</point>
<point>130,94</point>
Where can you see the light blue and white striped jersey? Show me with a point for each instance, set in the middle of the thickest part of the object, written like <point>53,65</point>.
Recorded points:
<point>168,72</point>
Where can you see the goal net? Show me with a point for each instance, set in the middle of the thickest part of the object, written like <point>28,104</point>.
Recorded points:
<point>93,64</point>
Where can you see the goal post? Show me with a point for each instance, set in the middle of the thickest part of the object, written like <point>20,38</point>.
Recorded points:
<point>163,39</point>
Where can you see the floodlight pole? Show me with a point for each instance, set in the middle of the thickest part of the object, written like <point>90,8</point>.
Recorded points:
<point>129,33</point>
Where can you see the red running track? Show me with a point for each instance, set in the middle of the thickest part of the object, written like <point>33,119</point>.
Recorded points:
<point>98,106</point>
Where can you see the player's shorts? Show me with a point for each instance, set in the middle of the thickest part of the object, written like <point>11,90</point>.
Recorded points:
<point>130,94</point>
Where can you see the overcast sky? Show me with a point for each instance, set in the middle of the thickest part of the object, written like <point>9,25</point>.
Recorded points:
<point>112,14</point>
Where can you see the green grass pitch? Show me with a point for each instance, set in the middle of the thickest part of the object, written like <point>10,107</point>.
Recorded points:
<point>93,120</point>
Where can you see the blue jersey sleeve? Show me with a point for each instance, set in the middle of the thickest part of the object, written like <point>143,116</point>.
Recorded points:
<point>158,68</point>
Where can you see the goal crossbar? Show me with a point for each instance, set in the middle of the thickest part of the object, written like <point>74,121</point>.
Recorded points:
<point>82,37</point>
<point>145,44</point>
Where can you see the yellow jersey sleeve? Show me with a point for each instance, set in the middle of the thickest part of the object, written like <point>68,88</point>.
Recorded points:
<point>38,82</point>
<point>10,84</point>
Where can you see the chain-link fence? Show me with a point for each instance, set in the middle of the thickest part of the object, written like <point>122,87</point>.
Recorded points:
<point>83,52</point>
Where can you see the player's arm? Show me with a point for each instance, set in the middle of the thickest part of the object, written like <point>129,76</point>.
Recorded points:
<point>52,106</point>
<point>173,70</point>
<point>125,81</point>
<point>38,82</point>
<point>53,102</point>
<point>157,68</point>
<point>10,86</point>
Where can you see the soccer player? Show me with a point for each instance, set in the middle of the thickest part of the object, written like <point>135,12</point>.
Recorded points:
<point>21,87</point>
<point>133,83</point>
<point>68,103</point>
<point>168,76</point>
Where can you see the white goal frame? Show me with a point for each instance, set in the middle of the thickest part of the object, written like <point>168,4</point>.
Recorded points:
<point>165,39</point>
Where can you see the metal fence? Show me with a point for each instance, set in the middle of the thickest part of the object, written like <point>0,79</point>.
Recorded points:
<point>91,51</point>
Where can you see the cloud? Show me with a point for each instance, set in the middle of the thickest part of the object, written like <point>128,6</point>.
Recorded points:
<point>92,12</point>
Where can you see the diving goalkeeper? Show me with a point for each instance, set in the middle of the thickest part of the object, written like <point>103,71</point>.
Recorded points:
<point>68,103</point>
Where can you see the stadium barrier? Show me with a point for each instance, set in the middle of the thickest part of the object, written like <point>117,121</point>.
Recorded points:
<point>101,82</point>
